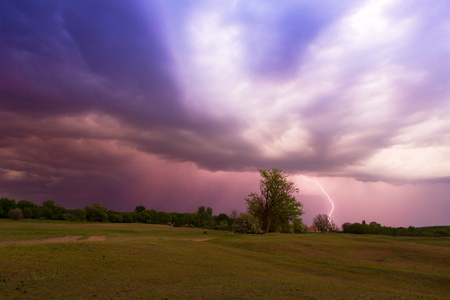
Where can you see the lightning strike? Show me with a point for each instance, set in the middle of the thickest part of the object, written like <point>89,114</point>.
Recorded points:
<point>316,182</point>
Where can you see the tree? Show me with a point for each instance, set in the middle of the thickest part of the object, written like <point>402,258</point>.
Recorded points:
<point>205,220</point>
<point>139,209</point>
<point>346,227</point>
<point>96,213</point>
<point>29,209</point>
<point>299,227</point>
<point>209,211</point>
<point>275,201</point>
<point>6,205</point>
<point>115,218</point>
<point>246,223</point>
<point>24,203</point>
<point>141,217</point>
<point>320,221</point>
<point>204,216</point>
<point>188,219</point>
<point>163,218</point>
<point>152,216</point>
<point>223,217</point>
<point>15,214</point>
<point>201,209</point>
<point>177,219</point>
<point>323,223</point>
<point>333,226</point>
<point>51,210</point>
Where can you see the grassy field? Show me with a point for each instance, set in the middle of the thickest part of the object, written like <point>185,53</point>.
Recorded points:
<point>139,261</point>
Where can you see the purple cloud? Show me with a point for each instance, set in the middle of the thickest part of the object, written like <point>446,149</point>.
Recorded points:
<point>355,90</point>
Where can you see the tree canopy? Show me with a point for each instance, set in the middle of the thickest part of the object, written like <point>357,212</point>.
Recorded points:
<point>323,223</point>
<point>276,202</point>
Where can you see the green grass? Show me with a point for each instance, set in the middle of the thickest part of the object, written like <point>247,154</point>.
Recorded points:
<point>140,261</point>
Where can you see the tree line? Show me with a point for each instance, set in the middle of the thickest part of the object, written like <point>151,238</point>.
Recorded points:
<point>324,224</point>
<point>376,228</point>
<point>49,210</point>
<point>273,209</point>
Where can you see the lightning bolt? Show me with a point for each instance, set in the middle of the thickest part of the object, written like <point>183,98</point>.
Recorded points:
<point>316,182</point>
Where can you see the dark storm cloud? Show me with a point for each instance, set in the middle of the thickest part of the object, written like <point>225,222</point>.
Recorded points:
<point>69,58</point>
<point>73,172</point>
<point>66,59</point>
<point>103,57</point>
<point>86,87</point>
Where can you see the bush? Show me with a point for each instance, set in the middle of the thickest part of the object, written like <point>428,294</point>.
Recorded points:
<point>246,223</point>
<point>223,225</point>
<point>141,217</point>
<point>96,213</point>
<point>29,213</point>
<point>115,218</point>
<point>441,232</point>
<point>163,218</point>
<point>78,215</point>
<point>126,218</point>
<point>15,214</point>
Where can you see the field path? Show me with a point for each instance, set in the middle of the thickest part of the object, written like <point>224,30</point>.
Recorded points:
<point>63,239</point>
<point>94,238</point>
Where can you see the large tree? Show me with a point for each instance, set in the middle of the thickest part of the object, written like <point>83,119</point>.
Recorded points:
<point>276,201</point>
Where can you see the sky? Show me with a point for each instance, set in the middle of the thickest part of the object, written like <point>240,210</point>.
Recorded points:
<point>177,104</point>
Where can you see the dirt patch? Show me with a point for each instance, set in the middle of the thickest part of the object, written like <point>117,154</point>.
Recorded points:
<point>202,240</point>
<point>96,238</point>
<point>63,239</point>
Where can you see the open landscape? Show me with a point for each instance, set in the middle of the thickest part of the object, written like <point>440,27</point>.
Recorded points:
<point>224,149</point>
<point>55,259</point>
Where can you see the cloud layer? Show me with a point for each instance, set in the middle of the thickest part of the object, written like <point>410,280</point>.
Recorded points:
<point>99,101</point>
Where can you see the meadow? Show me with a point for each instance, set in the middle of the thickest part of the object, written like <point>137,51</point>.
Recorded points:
<point>68,260</point>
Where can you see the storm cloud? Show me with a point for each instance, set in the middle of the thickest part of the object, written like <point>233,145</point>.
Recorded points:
<point>142,102</point>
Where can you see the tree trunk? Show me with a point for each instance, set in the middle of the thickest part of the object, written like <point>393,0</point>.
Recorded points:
<point>269,219</point>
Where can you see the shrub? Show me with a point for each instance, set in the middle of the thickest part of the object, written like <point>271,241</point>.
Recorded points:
<point>96,213</point>
<point>28,213</point>
<point>163,218</point>
<point>126,218</point>
<point>141,217</point>
<point>441,232</point>
<point>15,214</point>
<point>223,225</point>
<point>78,215</point>
<point>115,218</point>
<point>246,223</point>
